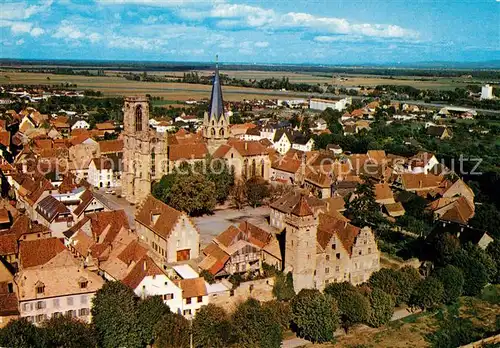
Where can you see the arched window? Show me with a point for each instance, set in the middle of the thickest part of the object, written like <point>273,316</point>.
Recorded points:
<point>221,133</point>
<point>254,168</point>
<point>262,168</point>
<point>138,118</point>
<point>212,131</point>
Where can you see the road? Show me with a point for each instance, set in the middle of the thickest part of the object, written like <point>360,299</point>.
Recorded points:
<point>115,203</point>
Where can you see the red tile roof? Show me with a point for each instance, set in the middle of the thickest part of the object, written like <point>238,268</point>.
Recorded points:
<point>187,152</point>
<point>143,268</point>
<point>38,252</point>
<point>302,208</point>
<point>167,216</point>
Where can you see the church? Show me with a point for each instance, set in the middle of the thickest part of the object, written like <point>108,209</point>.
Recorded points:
<point>148,155</point>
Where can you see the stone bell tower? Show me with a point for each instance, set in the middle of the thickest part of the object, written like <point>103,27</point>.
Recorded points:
<point>144,151</point>
<point>216,121</point>
<point>300,246</point>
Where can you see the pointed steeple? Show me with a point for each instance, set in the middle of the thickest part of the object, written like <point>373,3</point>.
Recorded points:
<point>216,102</point>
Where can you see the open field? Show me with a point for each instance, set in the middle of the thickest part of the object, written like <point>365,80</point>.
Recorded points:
<point>118,86</point>
<point>412,330</point>
<point>115,85</point>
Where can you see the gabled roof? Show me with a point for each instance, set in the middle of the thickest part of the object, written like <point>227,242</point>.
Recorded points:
<point>39,251</point>
<point>143,268</point>
<point>286,203</point>
<point>187,152</point>
<point>50,208</point>
<point>85,199</point>
<point>383,191</point>
<point>111,146</point>
<point>109,222</point>
<point>166,216</point>
<point>329,225</point>
<point>8,244</point>
<point>192,287</point>
<point>285,164</point>
<point>133,252</point>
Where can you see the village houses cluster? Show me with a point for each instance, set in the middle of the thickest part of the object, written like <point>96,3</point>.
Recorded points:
<point>61,239</point>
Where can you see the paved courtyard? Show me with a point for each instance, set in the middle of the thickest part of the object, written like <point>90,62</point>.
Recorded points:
<point>208,225</point>
<point>212,225</point>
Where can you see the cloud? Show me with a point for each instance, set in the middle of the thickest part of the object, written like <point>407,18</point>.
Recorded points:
<point>70,32</point>
<point>262,44</point>
<point>35,32</point>
<point>125,42</point>
<point>20,42</point>
<point>20,10</point>
<point>153,3</point>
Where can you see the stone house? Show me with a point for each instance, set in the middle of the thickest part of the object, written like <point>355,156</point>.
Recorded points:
<point>171,235</point>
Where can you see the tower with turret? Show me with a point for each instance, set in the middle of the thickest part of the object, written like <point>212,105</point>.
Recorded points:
<point>300,247</point>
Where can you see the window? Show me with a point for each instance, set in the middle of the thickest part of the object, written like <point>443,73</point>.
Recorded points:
<point>187,312</point>
<point>337,268</point>
<point>337,256</point>
<point>39,318</point>
<point>83,284</point>
<point>369,250</point>
<point>83,312</point>
<point>40,289</point>
<point>168,297</point>
<point>69,301</point>
<point>360,252</point>
<point>71,313</point>
<point>308,256</point>
<point>40,305</point>
<point>200,299</point>
<point>84,299</point>
<point>327,257</point>
<point>56,314</point>
<point>188,300</point>
<point>27,307</point>
<point>138,118</point>
<point>327,270</point>
<point>334,246</point>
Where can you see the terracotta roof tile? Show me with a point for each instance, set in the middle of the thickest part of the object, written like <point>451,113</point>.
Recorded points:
<point>8,244</point>
<point>383,191</point>
<point>193,287</point>
<point>133,252</point>
<point>111,146</point>
<point>187,152</point>
<point>5,138</point>
<point>38,252</point>
<point>144,267</point>
<point>329,225</point>
<point>157,216</point>
<point>302,208</point>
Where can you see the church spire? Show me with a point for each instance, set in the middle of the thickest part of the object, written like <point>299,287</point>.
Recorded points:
<point>216,109</point>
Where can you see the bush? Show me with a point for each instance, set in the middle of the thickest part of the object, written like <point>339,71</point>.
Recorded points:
<point>172,331</point>
<point>21,334</point>
<point>354,309</point>
<point>67,332</point>
<point>315,316</point>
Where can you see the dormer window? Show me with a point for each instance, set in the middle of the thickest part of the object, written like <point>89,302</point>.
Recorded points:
<point>154,218</point>
<point>40,289</point>
<point>83,283</point>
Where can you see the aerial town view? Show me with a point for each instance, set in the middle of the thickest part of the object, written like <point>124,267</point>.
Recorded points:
<point>243,173</point>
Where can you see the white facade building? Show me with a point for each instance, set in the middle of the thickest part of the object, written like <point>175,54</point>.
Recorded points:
<point>81,124</point>
<point>323,104</point>
<point>486,92</point>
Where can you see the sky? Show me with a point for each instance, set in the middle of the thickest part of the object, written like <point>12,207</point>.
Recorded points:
<point>253,31</point>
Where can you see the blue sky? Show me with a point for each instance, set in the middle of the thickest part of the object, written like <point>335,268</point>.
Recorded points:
<point>254,31</point>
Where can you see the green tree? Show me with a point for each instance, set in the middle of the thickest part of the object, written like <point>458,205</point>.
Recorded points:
<point>407,278</point>
<point>487,218</point>
<point>315,316</point>
<point>257,190</point>
<point>382,308</point>
<point>253,326</point>
<point>162,189</point>
<point>149,312</point>
<point>280,312</point>
<point>172,331</point>
<point>211,327</point>
<point>222,176</point>
<point>209,277</point>
<point>67,332</point>
<point>337,290</point>
<point>476,252</point>
<point>238,195</point>
<point>21,334</point>
<point>283,287</point>
<point>114,315</point>
<point>445,247</point>
<point>427,294</point>
<point>354,309</point>
<point>386,280</point>
<point>363,208</point>
<point>475,273</point>
<point>493,249</point>
<point>193,194</point>
<point>453,282</point>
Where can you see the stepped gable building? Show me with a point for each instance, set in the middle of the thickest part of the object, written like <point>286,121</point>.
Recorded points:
<point>323,248</point>
<point>145,153</point>
<point>216,122</point>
